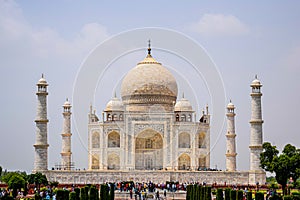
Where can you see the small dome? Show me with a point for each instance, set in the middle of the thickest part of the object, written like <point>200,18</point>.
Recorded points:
<point>67,103</point>
<point>256,82</point>
<point>114,104</point>
<point>183,105</point>
<point>42,81</point>
<point>230,105</point>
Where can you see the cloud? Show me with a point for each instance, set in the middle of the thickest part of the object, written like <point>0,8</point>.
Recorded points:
<point>219,25</point>
<point>17,33</point>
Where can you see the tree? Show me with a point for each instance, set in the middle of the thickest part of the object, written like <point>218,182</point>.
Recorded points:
<point>37,179</point>
<point>77,191</point>
<point>72,196</point>
<point>112,191</point>
<point>240,195</point>
<point>94,195</point>
<point>15,181</point>
<point>285,165</point>
<point>227,193</point>
<point>83,194</point>
<point>220,194</point>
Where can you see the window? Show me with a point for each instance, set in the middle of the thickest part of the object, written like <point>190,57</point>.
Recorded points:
<point>114,139</point>
<point>183,118</point>
<point>177,118</point>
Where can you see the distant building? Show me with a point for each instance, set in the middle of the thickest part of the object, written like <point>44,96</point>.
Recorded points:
<point>149,135</point>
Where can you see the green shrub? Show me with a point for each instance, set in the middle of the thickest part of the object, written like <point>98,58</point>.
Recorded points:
<point>287,197</point>
<point>240,195</point>
<point>37,197</point>
<point>60,194</point>
<point>7,198</point>
<point>275,197</point>
<point>202,193</point>
<point>259,196</point>
<point>208,193</point>
<point>72,196</point>
<point>227,193</point>
<point>93,193</point>
<point>249,195</point>
<point>77,191</point>
<point>112,191</point>
<point>219,194</point>
<point>188,192</point>
<point>104,194</point>
<point>233,195</point>
<point>83,194</point>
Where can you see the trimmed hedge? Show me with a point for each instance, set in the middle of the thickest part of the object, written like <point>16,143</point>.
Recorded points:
<point>208,193</point>
<point>219,194</point>
<point>249,195</point>
<point>233,195</point>
<point>72,196</point>
<point>240,195</point>
<point>259,196</point>
<point>77,191</point>
<point>189,191</point>
<point>198,192</point>
<point>83,194</point>
<point>287,197</point>
<point>227,193</point>
<point>62,194</point>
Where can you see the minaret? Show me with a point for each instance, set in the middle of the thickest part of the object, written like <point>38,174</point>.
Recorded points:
<point>66,137</point>
<point>230,136</point>
<point>41,142</point>
<point>256,121</point>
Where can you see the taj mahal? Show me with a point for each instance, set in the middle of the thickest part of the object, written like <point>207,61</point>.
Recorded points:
<point>151,133</point>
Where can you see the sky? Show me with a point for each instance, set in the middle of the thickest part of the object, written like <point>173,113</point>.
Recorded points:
<point>57,37</point>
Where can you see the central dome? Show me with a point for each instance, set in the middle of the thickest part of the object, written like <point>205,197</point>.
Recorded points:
<point>149,83</point>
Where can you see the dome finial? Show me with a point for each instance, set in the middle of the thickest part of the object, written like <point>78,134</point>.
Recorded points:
<point>42,75</point>
<point>67,99</point>
<point>183,95</point>
<point>255,76</point>
<point>115,94</point>
<point>149,47</point>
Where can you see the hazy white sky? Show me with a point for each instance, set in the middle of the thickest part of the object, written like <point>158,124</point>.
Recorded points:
<point>54,38</point>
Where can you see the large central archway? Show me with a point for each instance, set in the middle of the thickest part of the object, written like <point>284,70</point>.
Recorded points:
<point>148,150</point>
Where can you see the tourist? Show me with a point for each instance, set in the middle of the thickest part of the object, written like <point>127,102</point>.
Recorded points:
<point>130,193</point>
<point>157,195</point>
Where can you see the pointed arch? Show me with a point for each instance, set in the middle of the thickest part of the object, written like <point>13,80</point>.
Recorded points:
<point>184,162</point>
<point>113,139</point>
<point>202,140</point>
<point>95,140</point>
<point>113,162</point>
<point>183,118</point>
<point>148,150</point>
<point>184,140</point>
<point>177,117</point>
<point>202,162</point>
<point>95,161</point>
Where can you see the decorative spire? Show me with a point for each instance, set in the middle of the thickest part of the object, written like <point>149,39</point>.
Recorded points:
<point>229,100</point>
<point>207,108</point>
<point>183,95</point>
<point>255,76</point>
<point>67,99</point>
<point>115,94</point>
<point>149,47</point>
<point>42,75</point>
